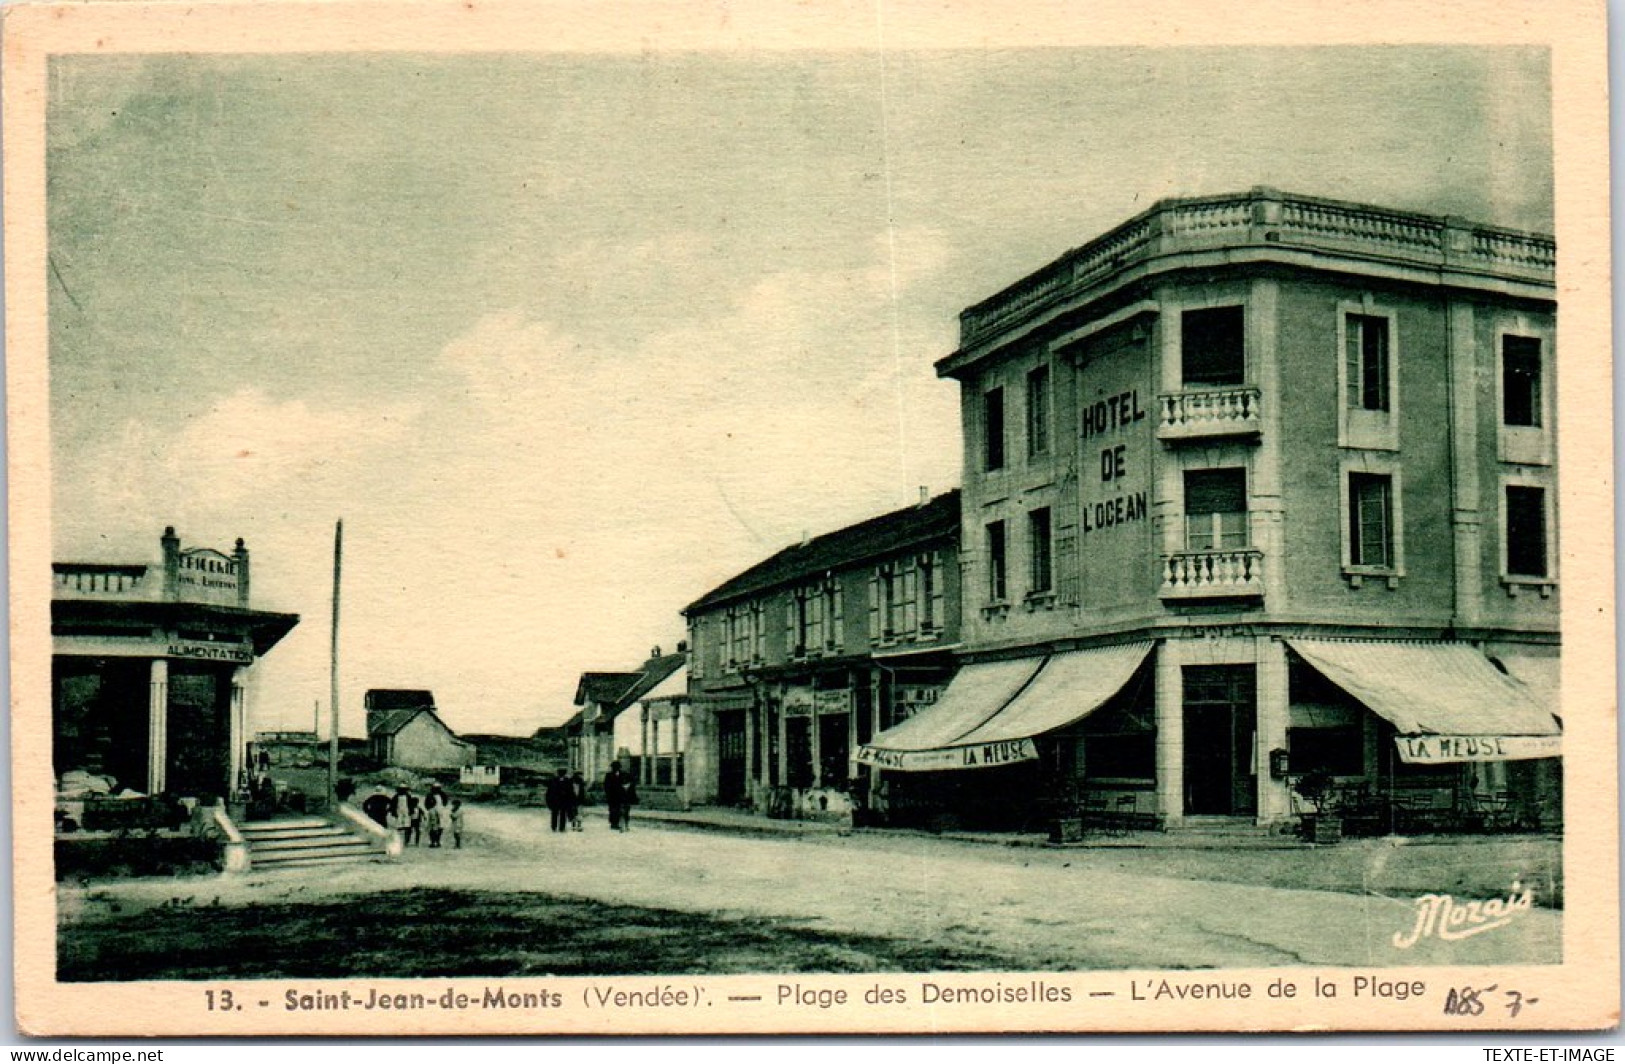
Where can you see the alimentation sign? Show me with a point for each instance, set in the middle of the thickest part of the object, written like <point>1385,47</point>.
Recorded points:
<point>195,650</point>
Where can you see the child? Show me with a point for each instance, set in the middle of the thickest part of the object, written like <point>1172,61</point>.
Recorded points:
<point>456,818</point>
<point>435,818</point>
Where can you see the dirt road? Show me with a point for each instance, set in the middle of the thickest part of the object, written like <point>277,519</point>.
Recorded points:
<point>1043,909</point>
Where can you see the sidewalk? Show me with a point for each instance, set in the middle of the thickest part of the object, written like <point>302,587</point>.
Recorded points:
<point>738,821</point>
<point>732,821</point>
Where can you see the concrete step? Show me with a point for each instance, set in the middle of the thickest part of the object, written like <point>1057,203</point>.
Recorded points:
<point>357,849</point>
<point>256,827</point>
<point>325,831</point>
<point>1218,825</point>
<point>308,842</point>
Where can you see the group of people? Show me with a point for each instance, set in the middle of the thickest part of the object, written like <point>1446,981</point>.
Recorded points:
<point>406,813</point>
<point>565,794</point>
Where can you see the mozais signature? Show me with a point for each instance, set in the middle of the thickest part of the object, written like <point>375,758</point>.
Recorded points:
<point>1443,917</point>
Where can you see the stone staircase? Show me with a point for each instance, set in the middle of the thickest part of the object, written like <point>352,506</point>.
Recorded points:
<point>304,842</point>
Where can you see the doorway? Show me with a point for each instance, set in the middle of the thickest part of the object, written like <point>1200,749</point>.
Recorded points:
<point>1221,718</point>
<point>731,757</point>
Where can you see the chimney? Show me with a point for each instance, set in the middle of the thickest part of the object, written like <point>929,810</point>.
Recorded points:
<point>925,495</point>
<point>172,563</point>
<point>682,646</point>
<point>654,652</point>
<point>241,556</point>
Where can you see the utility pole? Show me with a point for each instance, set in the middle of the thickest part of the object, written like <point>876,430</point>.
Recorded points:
<point>333,694</point>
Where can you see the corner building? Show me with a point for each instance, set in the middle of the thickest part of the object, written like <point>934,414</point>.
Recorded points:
<point>1258,485</point>
<point>151,667</point>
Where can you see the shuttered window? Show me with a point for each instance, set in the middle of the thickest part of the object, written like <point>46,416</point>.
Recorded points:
<point>1371,519</point>
<point>1366,370</point>
<point>1215,509</point>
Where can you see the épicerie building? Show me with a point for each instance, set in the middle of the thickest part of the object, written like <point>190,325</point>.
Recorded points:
<point>151,667</point>
<point>1254,486</point>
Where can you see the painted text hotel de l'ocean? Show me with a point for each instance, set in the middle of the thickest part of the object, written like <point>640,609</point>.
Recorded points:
<point>1254,485</point>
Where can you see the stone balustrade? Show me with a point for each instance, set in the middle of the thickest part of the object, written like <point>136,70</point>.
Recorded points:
<point>95,581</point>
<point>1213,574</point>
<point>1209,412</point>
<point>1267,218</point>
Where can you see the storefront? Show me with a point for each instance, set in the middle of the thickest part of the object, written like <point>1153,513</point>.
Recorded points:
<point>150,674</point>
<point>1410,737</point>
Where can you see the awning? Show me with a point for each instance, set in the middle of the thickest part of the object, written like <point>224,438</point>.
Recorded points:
<point>1448,701</point>
<point>975,694</point>
<point>1066,688</point>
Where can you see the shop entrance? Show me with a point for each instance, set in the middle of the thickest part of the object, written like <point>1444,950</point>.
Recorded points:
<point>1220,721</point>
<point>731,757</point>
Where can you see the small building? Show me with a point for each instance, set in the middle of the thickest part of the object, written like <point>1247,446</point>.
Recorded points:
<point>600,699</point>
<point>150,671</point>
<point>284,749</point>
<point>518,759</point>
<point>405,731</point>
<point>659,731</point>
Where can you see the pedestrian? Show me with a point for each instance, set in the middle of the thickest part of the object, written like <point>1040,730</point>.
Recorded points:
<point>578,798</point>
<point>619,794</point>
<point>376,805</point>
<point>414,828</point>
<point>400,812</point>
<point>455,817</point>
<point>558,800</point>
<point>434,814</point>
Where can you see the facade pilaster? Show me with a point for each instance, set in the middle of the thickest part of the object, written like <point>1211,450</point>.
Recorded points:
<point>1264,502</point>
<point>1274,714</point>
<point>1465,519</point>
<point>1170,713</point>
<point>238,726</point>
<point>158,726</point>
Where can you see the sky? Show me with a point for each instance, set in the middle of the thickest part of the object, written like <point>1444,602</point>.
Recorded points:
<point>566,341</point>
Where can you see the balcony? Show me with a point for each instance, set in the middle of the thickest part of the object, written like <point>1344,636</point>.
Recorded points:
<point>1213,574</point>
<point>1209,413</point>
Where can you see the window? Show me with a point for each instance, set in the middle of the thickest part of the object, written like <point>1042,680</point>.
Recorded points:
<point>740,637</point>
<point>1520,381</point>
<point>1213,347</point>
<point>1371,521</point>
<point>929,607</point>
<point>814,637</point>
<point>1038,412</point>
<point>1526,531</point>
<point>1366,363</point>
<point>993,429</point>
<point>1215,509</point>
<point>1040,576</point>
<point>996,586</point>
<point>830,593</point>
<point>796,622</point>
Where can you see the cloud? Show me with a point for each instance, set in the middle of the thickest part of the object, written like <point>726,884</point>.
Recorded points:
<point>248,443</point>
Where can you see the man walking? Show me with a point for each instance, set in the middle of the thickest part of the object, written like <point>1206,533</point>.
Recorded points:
<point>558,800</point>
<point>619,795</point>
